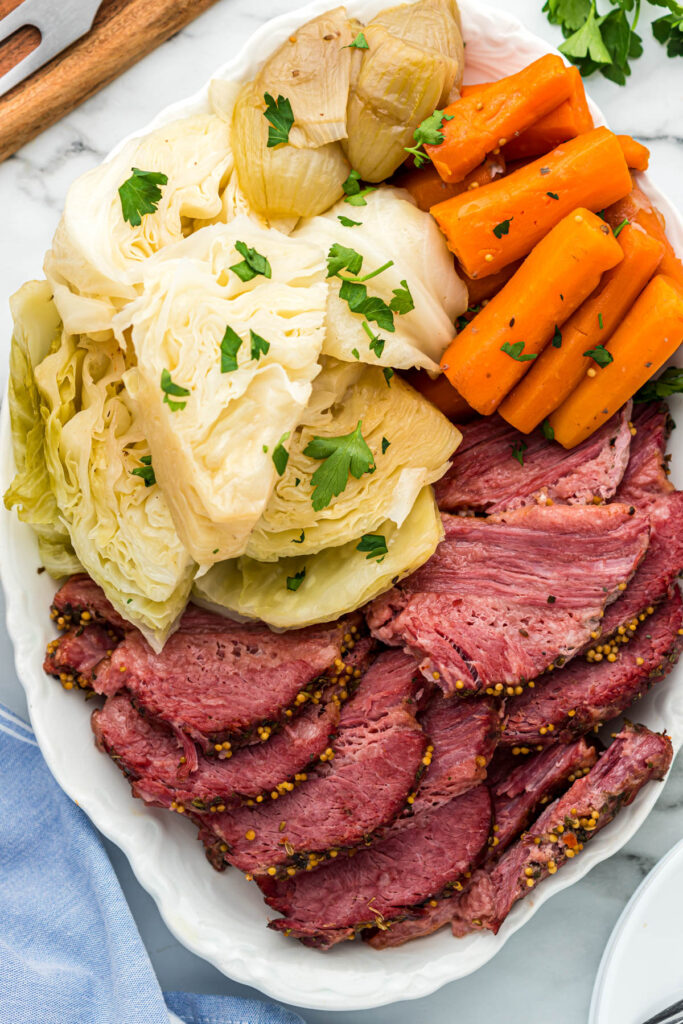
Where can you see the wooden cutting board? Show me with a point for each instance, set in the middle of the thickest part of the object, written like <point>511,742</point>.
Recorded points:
<point>123,32</point>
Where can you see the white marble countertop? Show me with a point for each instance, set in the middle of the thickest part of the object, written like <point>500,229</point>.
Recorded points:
<point>546,970</point>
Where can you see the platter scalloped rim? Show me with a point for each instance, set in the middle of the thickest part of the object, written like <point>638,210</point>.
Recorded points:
<point>221,917</point>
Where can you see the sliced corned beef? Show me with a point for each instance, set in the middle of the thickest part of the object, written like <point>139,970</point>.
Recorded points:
<point>378,752</point>
<point>153,759</point>
<point>646,474</point>
<point>81,594</point>
<point>485,476</point>
<point>634,757</point>
<point>503,598</point>
<point>516,798</point>
<point>464,735</point>
<point>381,883</point>
<point>73,656</point>
<point>567,703</point>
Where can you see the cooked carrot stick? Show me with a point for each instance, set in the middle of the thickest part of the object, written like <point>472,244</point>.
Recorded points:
<point>495,350</point>
<point>427,187</point>
<point>636,207</point>
<point>636,154</point>
<point>481,124</point>
<point>441,393</point>
<point>562,366</point>
<point>649,334</point>
<point>480,289</point>
<point>492,226</point>
<point>565,122</point>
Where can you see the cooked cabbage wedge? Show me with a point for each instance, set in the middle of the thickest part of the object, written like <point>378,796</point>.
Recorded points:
<point>213,446</point>
<point>36,327</point>
<point>420,441</point>
<point>121,530</point>
<point>392,228</point>
<point>336,581</point>
<point>283,181</point>
<point>413,65</point>
<point>95,263</point>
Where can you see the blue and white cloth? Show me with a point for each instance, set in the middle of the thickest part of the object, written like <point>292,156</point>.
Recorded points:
<point>70,952</point>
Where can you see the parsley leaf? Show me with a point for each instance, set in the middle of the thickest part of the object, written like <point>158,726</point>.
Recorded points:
<point>552,195</point>
<point>503,228</point>
<point>557,338</point>
<point>359,43</point>
<point>295,581</point>
<point>280,455</point>
<point>341,258</point>
<point>604,43</point>
<point>402,301</point>
<point>371,307</point>
<point>259,345</point>
<point>230,346</point>
<point>669,383</point>
<point>620,227</point>
<point>348,223</point>
<point>252,264</point>
<point>600,354</point>
<point>279,114</point>
<point>388,374</point>
<point>385,445</point>
<point>668,30</point>
<point>516,351</point>
<point>376,343</point>
<point>145,470</point>
<point>375,544</point>
<point>141,194</point>
<point>355,353</point>
<point>341,456</point>
<point>171,389</point>
<point>430,133</point>
<point>353,193</point>
<point>302,538</point>
<point>548,432</point>
<point>518,450</point>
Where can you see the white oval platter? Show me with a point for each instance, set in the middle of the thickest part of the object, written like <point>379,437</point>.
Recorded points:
<point>222,917</point>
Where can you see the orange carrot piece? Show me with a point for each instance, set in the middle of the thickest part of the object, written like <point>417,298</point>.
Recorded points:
<point>483,123</point>
<point>427,187</point>
<point>480,289</point>
<point>637,155</point>
<point>441,393</point>
<point>649,334</point>
<point>496,349</point>
<point>492,226</point>
<point>637,208</point>
<point>558,370</point>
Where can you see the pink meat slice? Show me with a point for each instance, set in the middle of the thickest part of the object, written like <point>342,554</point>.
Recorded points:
<point>646,474</point>
<point>464,735</point>
<point>503,598</point>
<point>486,477</point>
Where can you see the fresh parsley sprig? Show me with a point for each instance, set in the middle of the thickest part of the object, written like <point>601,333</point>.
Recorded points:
<point>375,544</point>
<point>428,133</point>
<point>171,391</point>
<point>145,470</point>
<point>340,457</point>
<point>280,117</point>
<point>141,194</point>
<point>354,191</point>
<point>252,264</point>
<point>670,383</point>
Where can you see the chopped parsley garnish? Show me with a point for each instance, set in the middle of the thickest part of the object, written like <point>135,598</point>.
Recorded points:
<point>280,455</point>
<point>551,599</point>
<point>295,581</point>
<point>600,323</point>
<point>517,352</point>
<point>375,544</point>
<point>172,390</point>
<point>548,432</point>
<point>620,227</point>
<point>600,354</point>
<point>355,353</point>
<point>340,456</point>
<point>348,223</point>
<point>354,194</point>
<point>464,320</point>
<point>428,133</point>
<point>359,43</point>
<point>370,306</point>
<point>388,374</point>
<point>518,450</point>
<point>552,195</point>
<point>230,346</point>
<point>252,264</point>
<point>340,258</point>
<point>670,383</point>
<point>385,445</point>
<point>376,343</point>
<point>279,114</point>
<point>259,345</point>
<point>145,470</point>
<point>402,301</point>
<point>302,538</point>
<point>297,481</point>
<point>503,228</point>
<point>557,338</point>
<point>141,194</point>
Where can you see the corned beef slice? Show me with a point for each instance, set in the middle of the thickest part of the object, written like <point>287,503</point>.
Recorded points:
<point>81,594</point>
<point>150,755</point>
<point>378,753</point>
<point>464,735</point>
<point>646,475</point>
<point>502,598</point>
<point>516,798</point>
<point>634,757</point>
<point>585,694</point>
<point>381,883</point>
<point>485,477</point>
<point>74,655</point>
